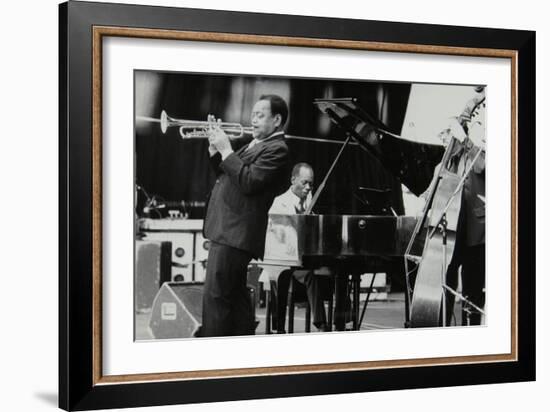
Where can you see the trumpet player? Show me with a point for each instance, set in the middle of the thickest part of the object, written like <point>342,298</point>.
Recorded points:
<point>248,180</point>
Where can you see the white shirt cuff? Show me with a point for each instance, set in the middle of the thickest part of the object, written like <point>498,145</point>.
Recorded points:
<point>226,153</point>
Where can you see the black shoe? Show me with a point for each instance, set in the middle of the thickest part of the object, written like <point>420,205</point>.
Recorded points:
<point>198,332</point>
<point>322,327</point>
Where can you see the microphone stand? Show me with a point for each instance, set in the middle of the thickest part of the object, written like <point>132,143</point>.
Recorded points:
<point>150,203</point>
<point>443,227</point>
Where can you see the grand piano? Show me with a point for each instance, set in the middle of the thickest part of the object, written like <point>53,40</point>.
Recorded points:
<point>345,245</point>
<point>351,245</point>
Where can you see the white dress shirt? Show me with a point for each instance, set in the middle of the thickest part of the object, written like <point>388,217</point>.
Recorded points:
<point>254,142</point>
<point>289,204</point>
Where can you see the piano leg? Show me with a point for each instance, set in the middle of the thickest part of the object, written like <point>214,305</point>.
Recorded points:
<point>290,301</point>
<point>340,300</point>
<point>367,300</point>
<point>268,311</point>
<point>407,323</point>
<point>356,282</point>
<point>308,318</point>
<point>330,313</point>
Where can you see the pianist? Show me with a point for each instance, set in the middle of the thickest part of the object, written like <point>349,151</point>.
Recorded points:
<point>295,201</point>
<point>236,219</point>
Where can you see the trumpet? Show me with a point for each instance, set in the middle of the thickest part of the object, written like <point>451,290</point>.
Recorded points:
<point>199,129</point>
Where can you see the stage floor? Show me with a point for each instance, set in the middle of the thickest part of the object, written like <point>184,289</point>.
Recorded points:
<point>380,314</point>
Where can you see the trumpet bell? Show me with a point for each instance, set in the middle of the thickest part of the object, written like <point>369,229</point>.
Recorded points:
<point>198,129</point>
<point>163,122</point>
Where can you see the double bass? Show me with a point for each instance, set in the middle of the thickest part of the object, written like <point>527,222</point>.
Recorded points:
<point>434,239</point>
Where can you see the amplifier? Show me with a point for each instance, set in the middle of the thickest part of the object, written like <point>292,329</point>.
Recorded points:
<point>153,267</point>
<point>177,311</point>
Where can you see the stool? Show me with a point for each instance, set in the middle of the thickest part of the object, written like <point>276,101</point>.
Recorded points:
<point>295,291</point>
<point>325,292</point>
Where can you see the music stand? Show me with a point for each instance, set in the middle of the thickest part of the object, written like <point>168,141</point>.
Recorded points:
<point>376,201</point>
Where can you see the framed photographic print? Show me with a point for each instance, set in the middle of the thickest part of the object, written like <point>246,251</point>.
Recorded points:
<point>257,206</point>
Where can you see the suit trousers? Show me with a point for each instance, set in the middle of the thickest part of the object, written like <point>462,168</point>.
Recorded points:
<point>473,280</point>
<point>226,306</point>
<point>472,260</point>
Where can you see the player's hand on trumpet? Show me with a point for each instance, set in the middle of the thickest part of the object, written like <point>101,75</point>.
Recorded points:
<point>218,139</point>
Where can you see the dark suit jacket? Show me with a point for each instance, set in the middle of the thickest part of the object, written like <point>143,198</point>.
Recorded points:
<point>247,183</point>
<point>472,205</point>
<point>471,220</point>
<point>470,229</point>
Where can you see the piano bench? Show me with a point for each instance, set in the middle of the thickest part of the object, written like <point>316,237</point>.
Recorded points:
<point>297,293</point>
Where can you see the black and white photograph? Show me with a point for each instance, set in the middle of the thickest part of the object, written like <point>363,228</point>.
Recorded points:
<point>269,205</point>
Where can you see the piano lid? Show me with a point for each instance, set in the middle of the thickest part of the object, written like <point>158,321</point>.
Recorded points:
<point>411,162</point>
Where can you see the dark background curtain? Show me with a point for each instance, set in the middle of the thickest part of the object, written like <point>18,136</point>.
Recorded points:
<point>176,169</point>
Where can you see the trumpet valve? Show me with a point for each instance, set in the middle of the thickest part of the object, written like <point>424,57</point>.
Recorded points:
<point>192,134</point>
